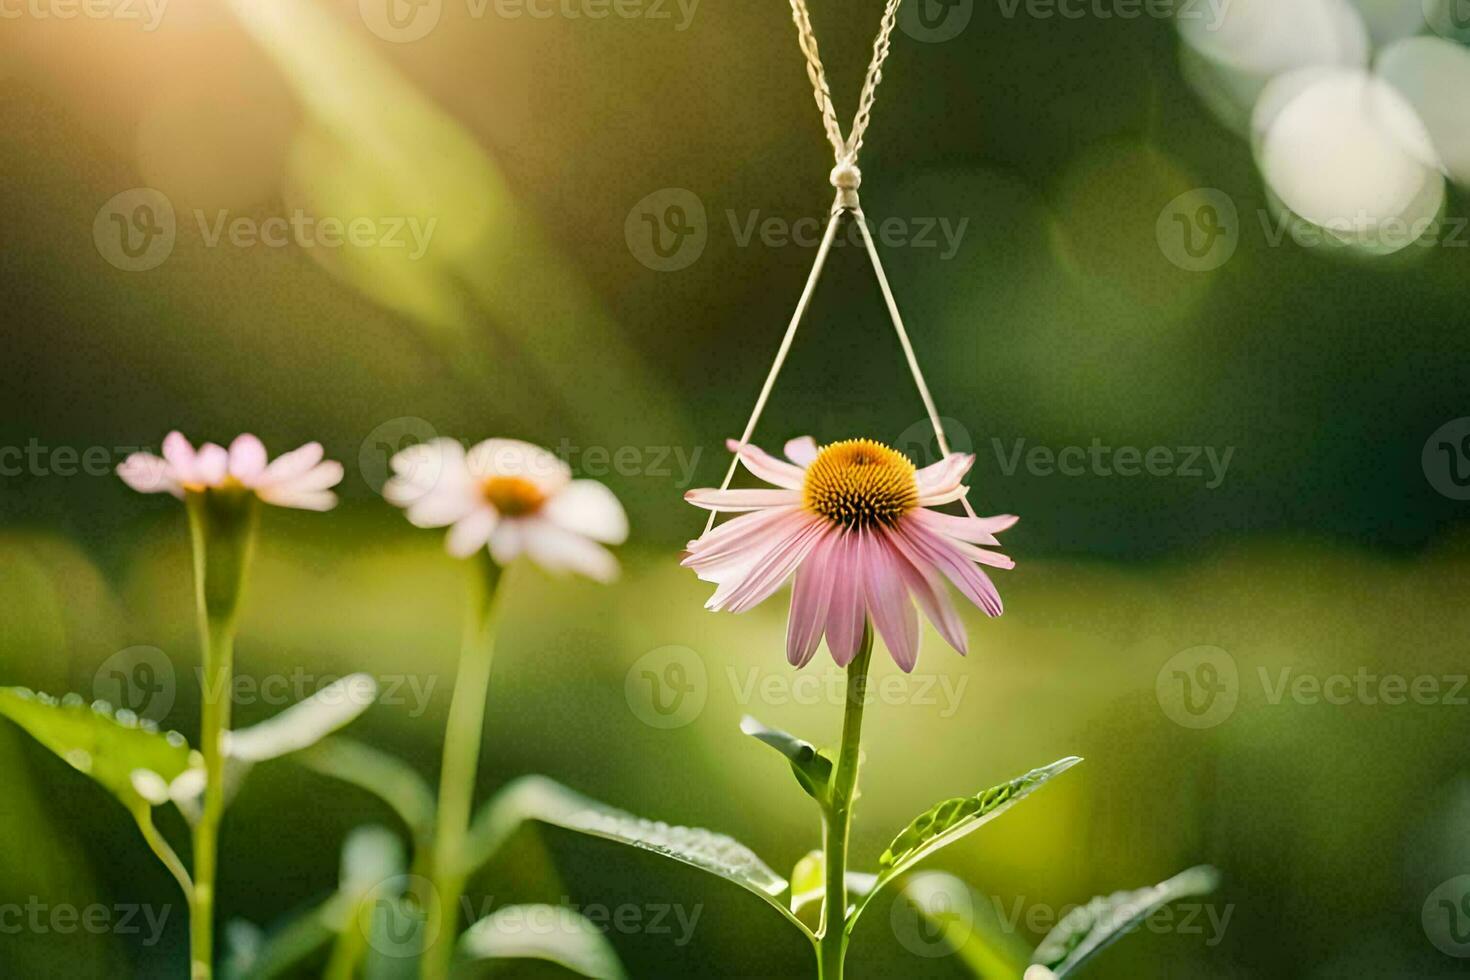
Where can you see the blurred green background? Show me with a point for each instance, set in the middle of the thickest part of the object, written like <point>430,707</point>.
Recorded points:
<point>537,146</point>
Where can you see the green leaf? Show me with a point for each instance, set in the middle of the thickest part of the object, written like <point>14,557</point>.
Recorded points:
<point>541,799</point>
<point>131,758</point>
<point>975,931</point>
<point>372,869</point>
<point>1088,929</point>
<point>389,778</point>
<point>812,769</point>
<point>544,932</point>
<point>258,956</point>
<point>947,822</point>
<point>305,723</point>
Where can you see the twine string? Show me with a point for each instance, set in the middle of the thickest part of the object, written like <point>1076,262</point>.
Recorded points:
<point>846,178</point>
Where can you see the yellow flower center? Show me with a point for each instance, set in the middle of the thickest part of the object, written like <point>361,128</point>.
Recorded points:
<point>512,496</point>
<point>230,485</point>
<point>860,484</point>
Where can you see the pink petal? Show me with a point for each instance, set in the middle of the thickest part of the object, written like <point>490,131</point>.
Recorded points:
<point>147,473</point>
<point>247,459</point>
<point>974,584</point>
<point>767,467</point>
<point>439,507</point>
<point>809,598</point>
<point>846,612</point>
<point>293,464</point>
<point>769,573</point>
<point>802,451</point>
<point>559,550</point>
<point>888,600</point>
<point>588,508</point>
<point>212,464</point>
<point>507,543</point>
<point>945,497</point>
<point>319,500</point>
<point>928,589</point>
<point>471,533</point>
<point>326,474</point>
<point>982,557</point>
<point>180,456</point>
<point>747,536</point>
<point>742,500</point>
<point>977,530</point>
<point>736,567</point>
<point>944,475</point>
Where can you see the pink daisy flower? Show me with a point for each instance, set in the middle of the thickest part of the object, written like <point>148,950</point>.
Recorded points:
<point>851,522</point>
<point>514,498</point>
<point>299,479</point>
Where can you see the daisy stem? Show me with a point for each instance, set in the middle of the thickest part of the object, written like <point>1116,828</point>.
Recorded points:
<point>457,774</point>
<point>832,941</point>
<point>222,527</point>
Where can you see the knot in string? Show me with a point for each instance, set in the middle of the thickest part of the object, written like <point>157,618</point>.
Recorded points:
<point>847,178</point>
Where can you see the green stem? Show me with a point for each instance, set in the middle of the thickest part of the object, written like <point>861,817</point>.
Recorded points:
<point>222,526</point>
<point>832,933</point>
<point>461,760</point>
<point>161,849</point>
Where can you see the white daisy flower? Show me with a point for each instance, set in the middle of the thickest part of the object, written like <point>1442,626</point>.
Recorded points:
<point>513,497</point>
<point>301,478</point>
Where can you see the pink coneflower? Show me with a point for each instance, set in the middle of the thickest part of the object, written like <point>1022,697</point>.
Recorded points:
<point>300,479</point>
<point>851,521</point>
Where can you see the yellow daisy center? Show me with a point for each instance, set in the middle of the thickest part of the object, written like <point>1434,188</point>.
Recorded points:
<point>512,496</point>
<point>860,484</point>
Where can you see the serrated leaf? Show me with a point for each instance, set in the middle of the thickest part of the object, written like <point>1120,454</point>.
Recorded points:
<point>129,757</point>
<point>544,800</point>
<point>389,778</point>
<point>543,932</point>
<point>305,723</point>
<point>812,769</point>
<point>947,822</point>
<point>1090,928</point>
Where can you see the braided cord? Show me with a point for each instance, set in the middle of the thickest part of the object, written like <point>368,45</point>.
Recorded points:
<point>881,47</point>
<point>807,38</point>
<point>844,149</point>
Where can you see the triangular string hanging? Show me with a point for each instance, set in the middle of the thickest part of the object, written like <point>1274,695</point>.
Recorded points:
<point>846,178</point>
